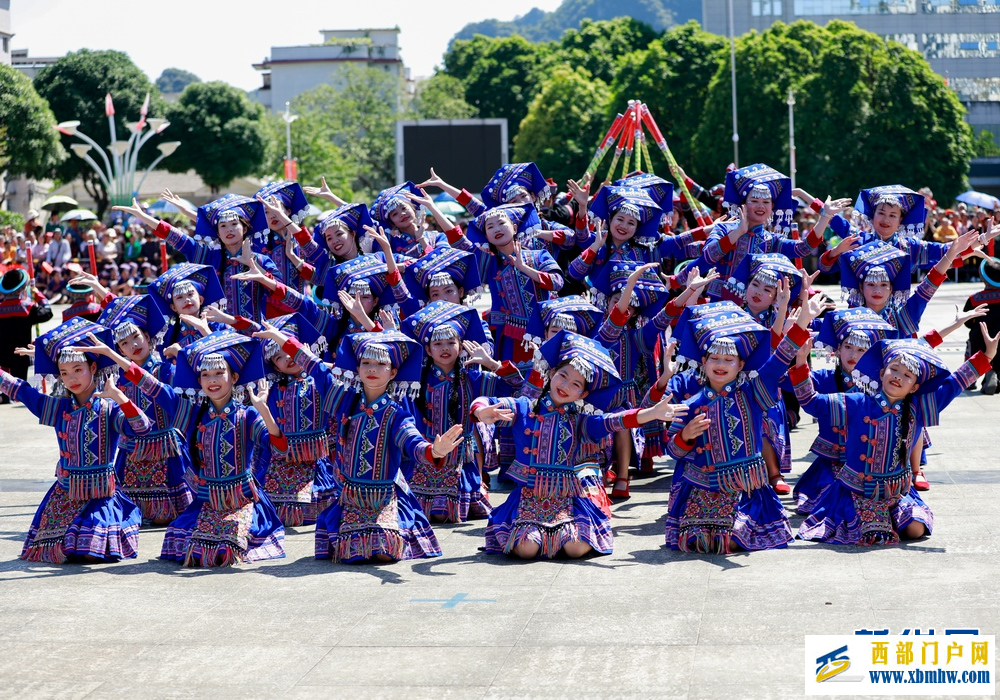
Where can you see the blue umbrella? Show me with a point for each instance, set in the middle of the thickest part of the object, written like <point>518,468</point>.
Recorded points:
<point>979,199</point>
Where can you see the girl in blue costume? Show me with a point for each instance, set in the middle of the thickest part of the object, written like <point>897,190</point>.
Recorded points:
<point>375,514</point>
<point>557,436</point>
<point>274,237</point>
<point>904,386</point>
<point>299,480</point>
<point>848,334</point>
<point>720,499</point>
<point>763,198</point>
<point>84,515</point>
<point>400,211</point>
<point>452,490</point>
<point>336,238</point>
<point>184,291</point>
<point>765,285</point>
<point>629,229</point>
<point>231,520</point>
<point>222,239</point>
<point>151,468</point>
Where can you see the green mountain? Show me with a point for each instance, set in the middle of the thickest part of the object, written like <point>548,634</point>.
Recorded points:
<point>537,25</point>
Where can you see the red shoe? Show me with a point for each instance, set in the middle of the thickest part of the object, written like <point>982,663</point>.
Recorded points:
<point>609,477</point>
<point>920,482</point>
<point>621,493</point>
<point>646,466</point>
<point>780,487</point>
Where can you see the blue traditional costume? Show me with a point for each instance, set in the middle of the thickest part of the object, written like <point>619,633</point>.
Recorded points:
<point>375,512</point>
<point>402,243</point>
<point>720,494</point>
<point>317,255</point>
<point>872,498</point>
<point>272,244</point>
<point>555,469</point>
<point>453,488</point>
<point>764,182</point>
<point>860,327</point>
<point>181,279</point>
<point>242,298</point>
<point>84,513</point>
<point>231,519</point>
<point>300,480</point>
<point>151,468</point>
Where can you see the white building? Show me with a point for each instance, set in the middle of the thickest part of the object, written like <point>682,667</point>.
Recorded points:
<point>5,32</point>
<point>292,70</point>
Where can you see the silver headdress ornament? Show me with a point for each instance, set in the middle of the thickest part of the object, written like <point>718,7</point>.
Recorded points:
<point>583,367</point>
<point>629,209</point>
<point>760,191</point>
<point>183,287</point>
<point>377,352</point>
<point>444,332</point>
<point>212,362</point>
<point>723,346</point>
<point>859,339</point>
<point>513,191</point>
<point>877,274</point>
<point>395,203</point>
<point>564,321</point>
<point>888,198</point>
<point>360,286</point>
<point>911,363</point>
<point>228,215</point>
<point>496,213</point>
<point>441,279</point>
<point>124,330</point>
<point>768,277</point>
<point>68,355</point>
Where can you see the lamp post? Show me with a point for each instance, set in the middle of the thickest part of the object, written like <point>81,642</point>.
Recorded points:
<point>118,172</point>
<point>791,134</point>
<point>732,71</point>
<point>290,169</point>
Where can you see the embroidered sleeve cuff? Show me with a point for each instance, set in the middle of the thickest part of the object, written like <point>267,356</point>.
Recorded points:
<point>588,256</point>
<point>814,238</point>
<point>130,410</point>
<point>936,278</point>
<point>655,394</point>
<point>464,197</point>
<point>108,298</point>
<point>302,236</point>
<point>454,234</point>
<point>799,373</point>
<point>559,236</point>
<point>933,338</point>
<point>727,244</point>
<point>307,271</point>
<point>617,317</point>
<point>393,278</point>
<point>816,205</point>
<point>243,323</point>
<point>506,369</point>
<point>582,224</point>
<point>279,443</point>
<point>535,379</point>
<point>291,347</point>
<point>981,363</point>
<point>476,405</point>
<point>162,230</point>
<point>775,339</point>
<point>827,259</point>
<point>545,280</point>
<point>377,328</point>
<point>798,335</point>
<point>698,234</point>
<point>134,373</point>
<point>631,419</point>
<point>683,444</point>
<point>279,292</point>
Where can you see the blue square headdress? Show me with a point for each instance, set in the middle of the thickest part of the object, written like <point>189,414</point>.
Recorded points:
<point>524,217</point>
<point>572,313</point>
<point>929,368</point>
<point>769,267</point>
<point>875,261</point>
<point>442,319</point>
<point>355,216</point>
<point>230,206</point>
<point>661,191</point>
<point>394,348</point>
<point>364,274</point>
<point>912,206</point>
<point>726,329</point>
<point>590,359</point>
<point>215,351</point>
<point>443,266</point>
<point>389,199</point>
<point>127,315</point>
<point>290,195</point>
<point>203,279</point>
<point>649,294</point>
<point>51,348</point>
<point>635,201</point>
<point>513,179</point>
<point>763,181</point>
<point>295,326</point>
<point>859,325</point>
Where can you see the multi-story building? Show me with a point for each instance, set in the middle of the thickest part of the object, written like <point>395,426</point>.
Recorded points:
<point>5,32</point>
<point>292,70</point>
<point>31,66</point>
<point>959,38</point>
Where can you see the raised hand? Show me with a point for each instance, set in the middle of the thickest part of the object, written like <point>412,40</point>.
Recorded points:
<point>742,227</point>
<point>962,244</point>
<point>784,294</point>
<point>695,427</point>
<point>26,351</point>
<point>258,398</point>
<point>807,282</point>
<point>846,245</point>
<point>199,324</point>
<point>477,355</point>
<point>290,250</point>
<point>802,355</point>
<point>790,320</point>
<point>387,320</point>
<point>136,211</point>
<point>271,333</point>
<point>111,391</point>
<point>433,181</point>
<point>323,192</point>
<point>170,352</point>
<point>990,341</point>
<point>668,367</point>
<point>666,411</point>
<point>448,441</point>
<point>600,236</point>
<point>580,192</point>
<point>91,281</point>
<point>379,236</point>
<point>169,196</point>
<point>494,414</point>
<point>213,314</point>
<point>832,207</point>
<point>978,312</point>
<point>423,199</point>
<point>811,309</point>
<point>98,348</point>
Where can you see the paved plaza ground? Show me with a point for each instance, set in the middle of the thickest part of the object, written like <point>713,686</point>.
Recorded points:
<point>643,622</point>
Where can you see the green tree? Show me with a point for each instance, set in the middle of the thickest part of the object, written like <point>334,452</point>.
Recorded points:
<point>599,46</point>
<point>441,97</point>
<point>30,141</point>
<point>501,76</point>
<point>873,112</point>
<point>767,65</point>
<point>672,77</point>
<point>75,86</point>
<point>565,121</point>
<point>984,146</point>
<point>223,134</point>
<point>315,154</point>
<point>174,80</point>
<point>360,120</point>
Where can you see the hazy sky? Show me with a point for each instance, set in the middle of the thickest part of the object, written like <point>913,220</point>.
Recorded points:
<point>221,39</point>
